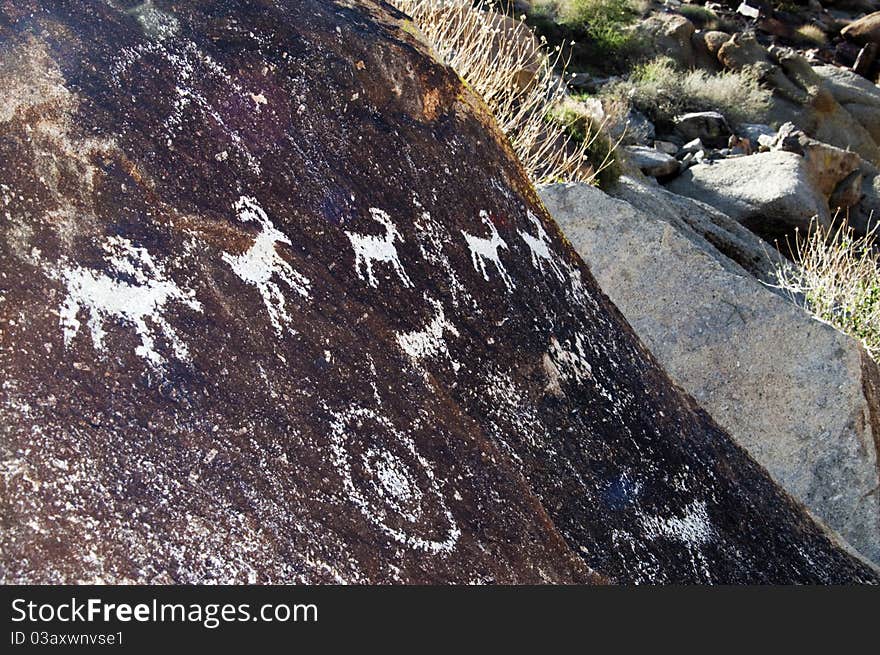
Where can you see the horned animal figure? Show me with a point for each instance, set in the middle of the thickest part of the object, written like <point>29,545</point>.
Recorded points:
<point>369,249</point>
<point>540,248</point>
<point>261,262</point>
<point>134,291</point>
<point>486,249</point>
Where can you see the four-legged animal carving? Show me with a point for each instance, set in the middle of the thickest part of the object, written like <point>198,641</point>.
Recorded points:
<point>133,291</point>
<point>540,248</point>
<point>261,262</point>
<point>486,249</point>
<point>369,249</point>
<point>429,341</point>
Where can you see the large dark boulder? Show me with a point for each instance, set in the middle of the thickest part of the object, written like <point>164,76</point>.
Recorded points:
<point>278,304</point>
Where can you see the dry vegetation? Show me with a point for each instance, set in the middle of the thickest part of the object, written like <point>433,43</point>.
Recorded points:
<point>703,18</point>
<point>491,57</point>
<point>810,35</point>
<point>837,279</point>
<point>661,90</point>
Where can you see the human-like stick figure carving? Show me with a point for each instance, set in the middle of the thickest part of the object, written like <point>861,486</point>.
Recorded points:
<point>486,249</point>
<point>261,262</point>
<point>369,249</point>
<point>540,248</point>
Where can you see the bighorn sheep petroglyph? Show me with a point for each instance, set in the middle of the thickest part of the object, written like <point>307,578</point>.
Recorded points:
<point>261,262</point>
<point>486,249</point>
<point>369,249</point>
<point>540,248</point>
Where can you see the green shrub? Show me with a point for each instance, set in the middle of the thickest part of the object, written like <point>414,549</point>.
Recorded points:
<point>605,22</point>
<point>599,147</point>
<point>598,12</point>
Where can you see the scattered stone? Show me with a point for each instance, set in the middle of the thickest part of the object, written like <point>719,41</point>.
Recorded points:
<point>666,147</point>
<point>766,141</point>
<point>865,216</point>
<point>771,193</point>
<point>743,50</point>
<point>636,130</point>
<point>868,116</point>
<point>651,161</point>
<point>788,138</point>
<point>828,165</point>
<point>748,11</point>
<point>693,146</point>
<point>714,40</point>
<point>704,57</point>
<point>708,126</point>
<point>858,96</point>
<point>846,87</point>
<point>754,131</point>
<point>864,30</point>
<point>669,35</point>
<point>800,95</point>
<point>847,193</point>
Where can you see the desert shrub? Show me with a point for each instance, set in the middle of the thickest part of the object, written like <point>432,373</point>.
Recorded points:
<point>604,23</point>
<point>699,16</point>
<point>660,90</point>
<point>466,36</point>
<point>600,148</point>
<point>836,277</point>
<point>810,35</point>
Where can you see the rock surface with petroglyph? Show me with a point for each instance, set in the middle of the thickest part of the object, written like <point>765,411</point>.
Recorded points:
<point>750,357</point>
<point>277,304</point>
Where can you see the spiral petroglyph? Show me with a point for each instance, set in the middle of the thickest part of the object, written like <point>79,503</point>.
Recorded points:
<point>390,482</point>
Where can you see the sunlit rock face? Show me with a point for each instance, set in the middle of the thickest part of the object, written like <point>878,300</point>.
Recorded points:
<point>277,304</point>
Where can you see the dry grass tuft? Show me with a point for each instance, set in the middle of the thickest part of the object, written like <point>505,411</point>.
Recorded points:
<point>837,279</point>
<point>810,35</point>
<point>515,78</point>
<point>661,90</point>
<point>704,19</point>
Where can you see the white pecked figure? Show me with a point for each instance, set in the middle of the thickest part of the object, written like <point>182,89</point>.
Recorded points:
<point>261,262</point>
<point>486,249</point>
<point>134,292</point>
<point>429,341</point>
<point>369,249</point>
<point>540,248</point>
